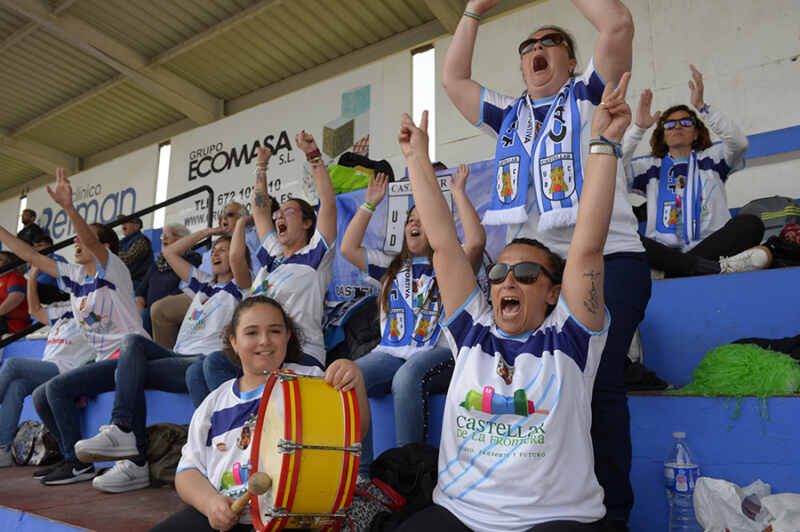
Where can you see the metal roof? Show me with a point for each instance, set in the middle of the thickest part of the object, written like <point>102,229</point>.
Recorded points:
<point>85,81</point>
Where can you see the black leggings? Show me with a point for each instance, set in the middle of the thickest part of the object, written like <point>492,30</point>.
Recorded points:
<point>190,520</point>
<point>740,233</point>
<point>440,519</point>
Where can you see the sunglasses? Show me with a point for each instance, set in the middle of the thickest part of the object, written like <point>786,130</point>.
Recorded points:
<point>684,122</point>
<point>288,211</point>
<point>524,272</point>
<point>549,40</point>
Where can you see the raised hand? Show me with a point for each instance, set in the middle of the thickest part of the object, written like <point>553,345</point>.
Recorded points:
<point>413,140</point>
<point>218,230</point>
<point>459,181</point>
<point>262,156</point>
<point>480,7</point>
<point>644,118</point>
<point>305,141</point>
<point>613,116</point>
<point>376,189</point>
<point>696,88</point>
<point>62,191</point>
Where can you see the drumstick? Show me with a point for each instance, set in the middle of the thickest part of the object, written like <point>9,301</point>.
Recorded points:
<point>258,484</point>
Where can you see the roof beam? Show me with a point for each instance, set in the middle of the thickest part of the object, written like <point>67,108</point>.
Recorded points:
<point>157,81</point>
<point>445,13</point>
<point>35,154</point>
<point>28,28</point>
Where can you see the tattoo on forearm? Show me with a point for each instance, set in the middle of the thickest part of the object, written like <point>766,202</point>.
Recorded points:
<point>260,199</point>
<point>591,301</point>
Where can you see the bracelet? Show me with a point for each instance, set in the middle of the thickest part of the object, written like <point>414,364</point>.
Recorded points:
<point>704,109</point>
<point>470,14</point>
<point>368,206</point>
<point>616,146</point>
<point>314,154</point>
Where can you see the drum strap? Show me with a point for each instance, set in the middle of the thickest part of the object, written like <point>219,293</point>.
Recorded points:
<point>392,500</point>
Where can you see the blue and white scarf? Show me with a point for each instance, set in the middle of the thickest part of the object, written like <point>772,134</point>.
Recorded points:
<point>553,157</point>
<point>413,317</point>
<point>678,198</point>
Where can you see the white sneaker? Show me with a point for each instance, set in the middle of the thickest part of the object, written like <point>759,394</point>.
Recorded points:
<point>755,258</point>
<point>124,476</point>
<point>111,443</point>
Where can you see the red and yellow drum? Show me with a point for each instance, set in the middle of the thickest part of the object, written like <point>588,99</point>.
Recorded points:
<point>308,440</point>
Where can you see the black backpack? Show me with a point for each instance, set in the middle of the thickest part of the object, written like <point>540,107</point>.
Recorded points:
<point>34,445</point>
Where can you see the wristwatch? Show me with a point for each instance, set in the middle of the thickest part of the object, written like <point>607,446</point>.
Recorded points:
<point>602,148</point>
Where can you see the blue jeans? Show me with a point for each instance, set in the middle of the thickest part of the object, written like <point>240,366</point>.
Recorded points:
<point>627,291</point>
<point>143,364</point>
<point>410,382</point>
<point>207,373</point>
<point>18,378</point>
<point>55,401</point>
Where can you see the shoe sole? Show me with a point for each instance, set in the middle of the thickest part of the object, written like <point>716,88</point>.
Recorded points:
<point>89,456</point>
<point>120,488</point>
<point>71,480</point>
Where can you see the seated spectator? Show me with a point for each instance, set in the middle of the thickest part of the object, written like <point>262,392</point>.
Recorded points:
<point>47,284</point>
<point>167,313</point>
<point>135,250</point>
<point>412,360</point>
<point>689,228</point>
<point>30,230</point>
<point>13,308</point>
<point>296,259</point>
<point>143,364</point>
<point>161,280</point>
<point>258,324</point>
<point>527,362</point>
<point>101,297</point>
<point>66,349</point>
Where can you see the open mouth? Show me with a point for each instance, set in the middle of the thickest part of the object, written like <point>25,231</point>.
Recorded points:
<point>216,261</point>
<point>281,227</point>
<point>539,63</point>
<point>509,307</point>
<point>414,232</point>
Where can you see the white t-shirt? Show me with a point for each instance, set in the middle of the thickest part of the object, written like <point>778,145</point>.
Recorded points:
<point>210,312</point>
<point>220,433</point>
<point>414,306</point>
<point>516,448</point>
<point>622,233</point>
<point>298,282</point>
<point>103,305</point>
<point>66,346</point>
<point>715,164</point>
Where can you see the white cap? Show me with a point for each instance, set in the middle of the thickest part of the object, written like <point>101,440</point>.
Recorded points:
<point>678,434</point>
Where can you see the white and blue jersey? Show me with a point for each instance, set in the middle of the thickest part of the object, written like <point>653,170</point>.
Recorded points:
<point>588,91</point>
<point>516,448</point>
<point>714,165</point>
<point>298,282</point>
<point>103,304</point>
<point>220,434</point>
<point>412,322</point>
<point>66,346</point>
<point>210,312</point>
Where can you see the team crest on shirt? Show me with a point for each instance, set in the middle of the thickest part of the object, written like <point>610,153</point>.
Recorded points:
<point>426,324</point>
<point>505,371</point>
<point>558,176</point>
<point>97,323</point>
<point>507,179</point>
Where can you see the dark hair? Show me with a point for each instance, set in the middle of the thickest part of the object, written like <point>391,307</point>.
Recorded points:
<point>229,239</point>
<point>43,238</point>
<point>106,235</point>
<point>660,148</point>
<point>293,350</point>
<point>31,212</point>
<point>309,213</point>
<point>7,257</point>
<point>572,52</point>
<point>554,263</point>
<point>439,165</point>
<point>274,206</point>
<point>400,261</point>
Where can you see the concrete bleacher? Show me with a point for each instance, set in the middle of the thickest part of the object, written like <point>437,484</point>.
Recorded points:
<point>685,318</point>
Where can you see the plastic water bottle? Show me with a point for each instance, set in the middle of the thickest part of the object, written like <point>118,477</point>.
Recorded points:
<point>680,477</point>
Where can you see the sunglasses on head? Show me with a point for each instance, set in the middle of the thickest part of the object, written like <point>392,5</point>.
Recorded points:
<point>549,40</point>
<point>684,122</point>
<point>524,272</point>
